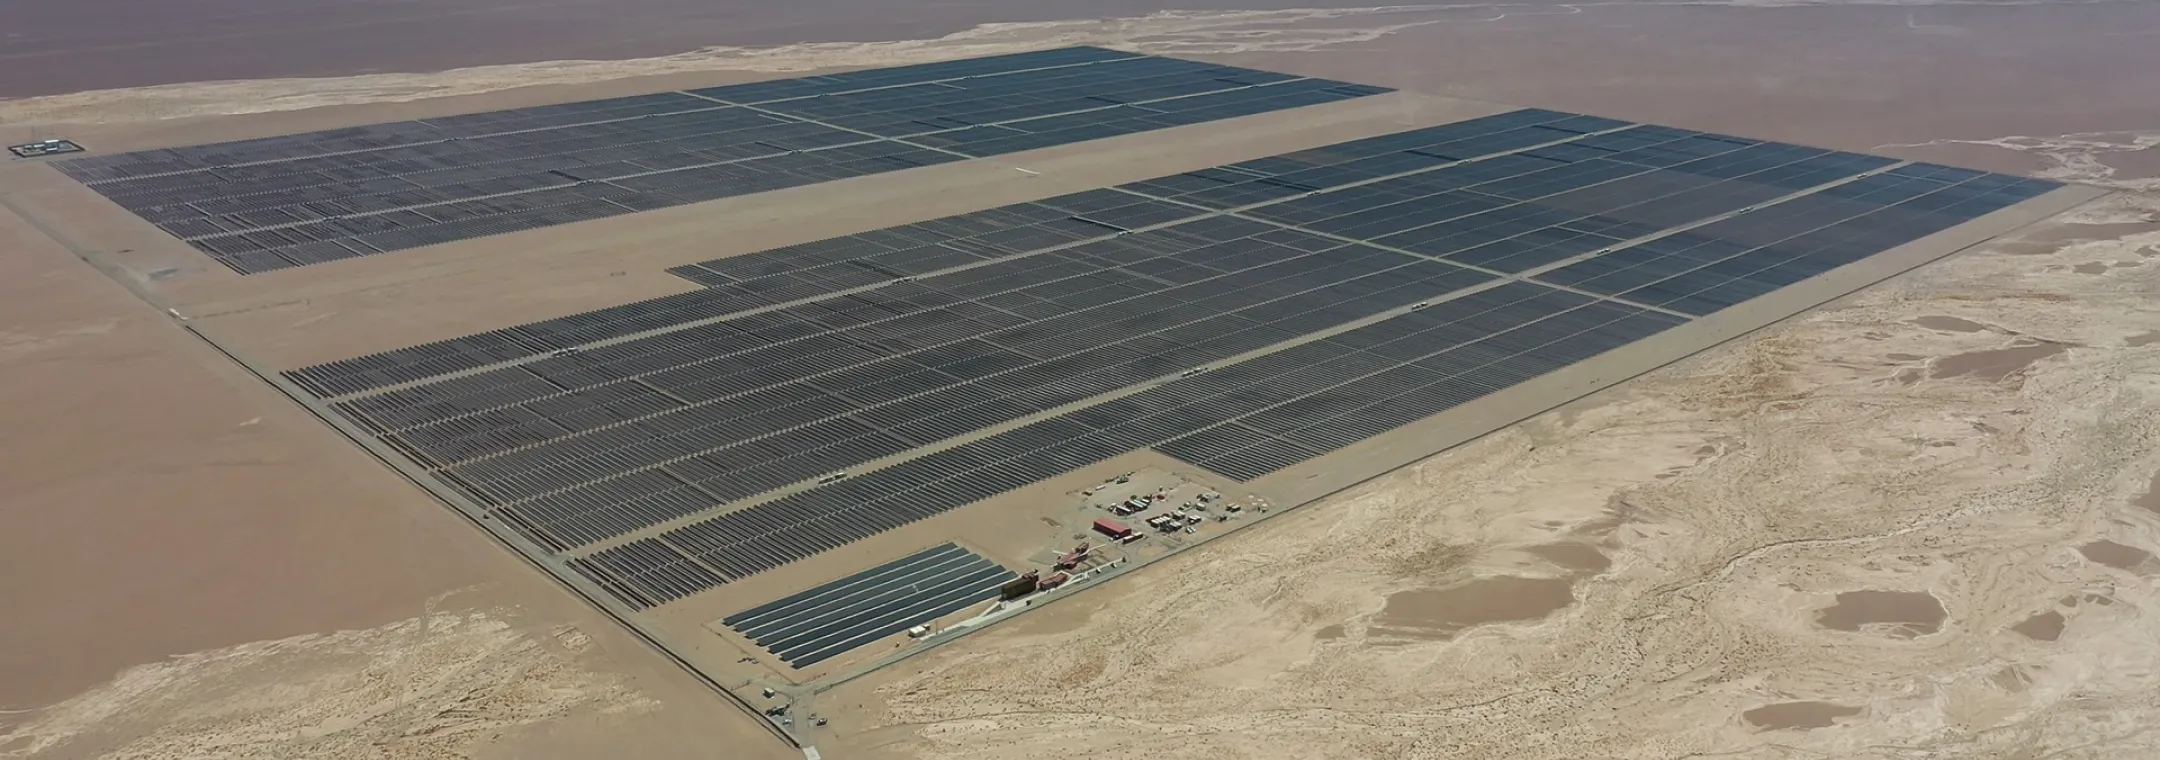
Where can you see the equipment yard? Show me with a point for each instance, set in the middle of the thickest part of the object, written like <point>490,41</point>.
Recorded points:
<point>938,410</point>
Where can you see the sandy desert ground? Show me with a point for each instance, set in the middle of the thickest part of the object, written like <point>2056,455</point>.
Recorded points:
<point>1956,466</point>
<point>1917,524</point>
<point>191,566</point>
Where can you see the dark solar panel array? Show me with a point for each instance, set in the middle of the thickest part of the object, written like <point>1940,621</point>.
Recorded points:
<point>811,626</point>
<point>831,266</point>
<point>760,420</point>
<point>1224,317</point>
<point>1738,258</point>
<point>275,203</point>
<point>1535,322</point>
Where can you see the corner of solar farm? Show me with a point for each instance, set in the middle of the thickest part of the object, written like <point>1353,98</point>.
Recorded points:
<point>800,377</point>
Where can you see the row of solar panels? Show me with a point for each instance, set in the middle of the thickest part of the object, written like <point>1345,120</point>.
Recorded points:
<point>949,360</point>
<point>262,205</point>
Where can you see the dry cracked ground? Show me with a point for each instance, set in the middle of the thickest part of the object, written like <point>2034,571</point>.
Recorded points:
<point>1915,524</point>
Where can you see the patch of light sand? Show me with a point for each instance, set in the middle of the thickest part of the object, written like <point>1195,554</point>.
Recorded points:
<point>2089,158</point>
<point>430,687</point>
<point>1738,495</point>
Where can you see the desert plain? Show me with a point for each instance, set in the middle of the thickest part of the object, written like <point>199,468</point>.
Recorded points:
<point>1918,522</point>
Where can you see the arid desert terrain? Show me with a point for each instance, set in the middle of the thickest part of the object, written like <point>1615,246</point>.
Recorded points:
<point>1918,523</point>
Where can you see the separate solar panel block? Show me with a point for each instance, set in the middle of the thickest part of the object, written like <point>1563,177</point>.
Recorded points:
<point>259,205</point>
<point>811,626</point>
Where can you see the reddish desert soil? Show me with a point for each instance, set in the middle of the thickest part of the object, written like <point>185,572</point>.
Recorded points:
<point>164,512</point>
<point>121,440</point>
<point>183,538</point>
<point>1848,75</point>
<point>55,48</point>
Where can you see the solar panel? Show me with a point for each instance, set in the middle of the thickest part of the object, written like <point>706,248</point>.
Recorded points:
<point>282,202</point>
<point>811,626</point>
<point>1243,318</point>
